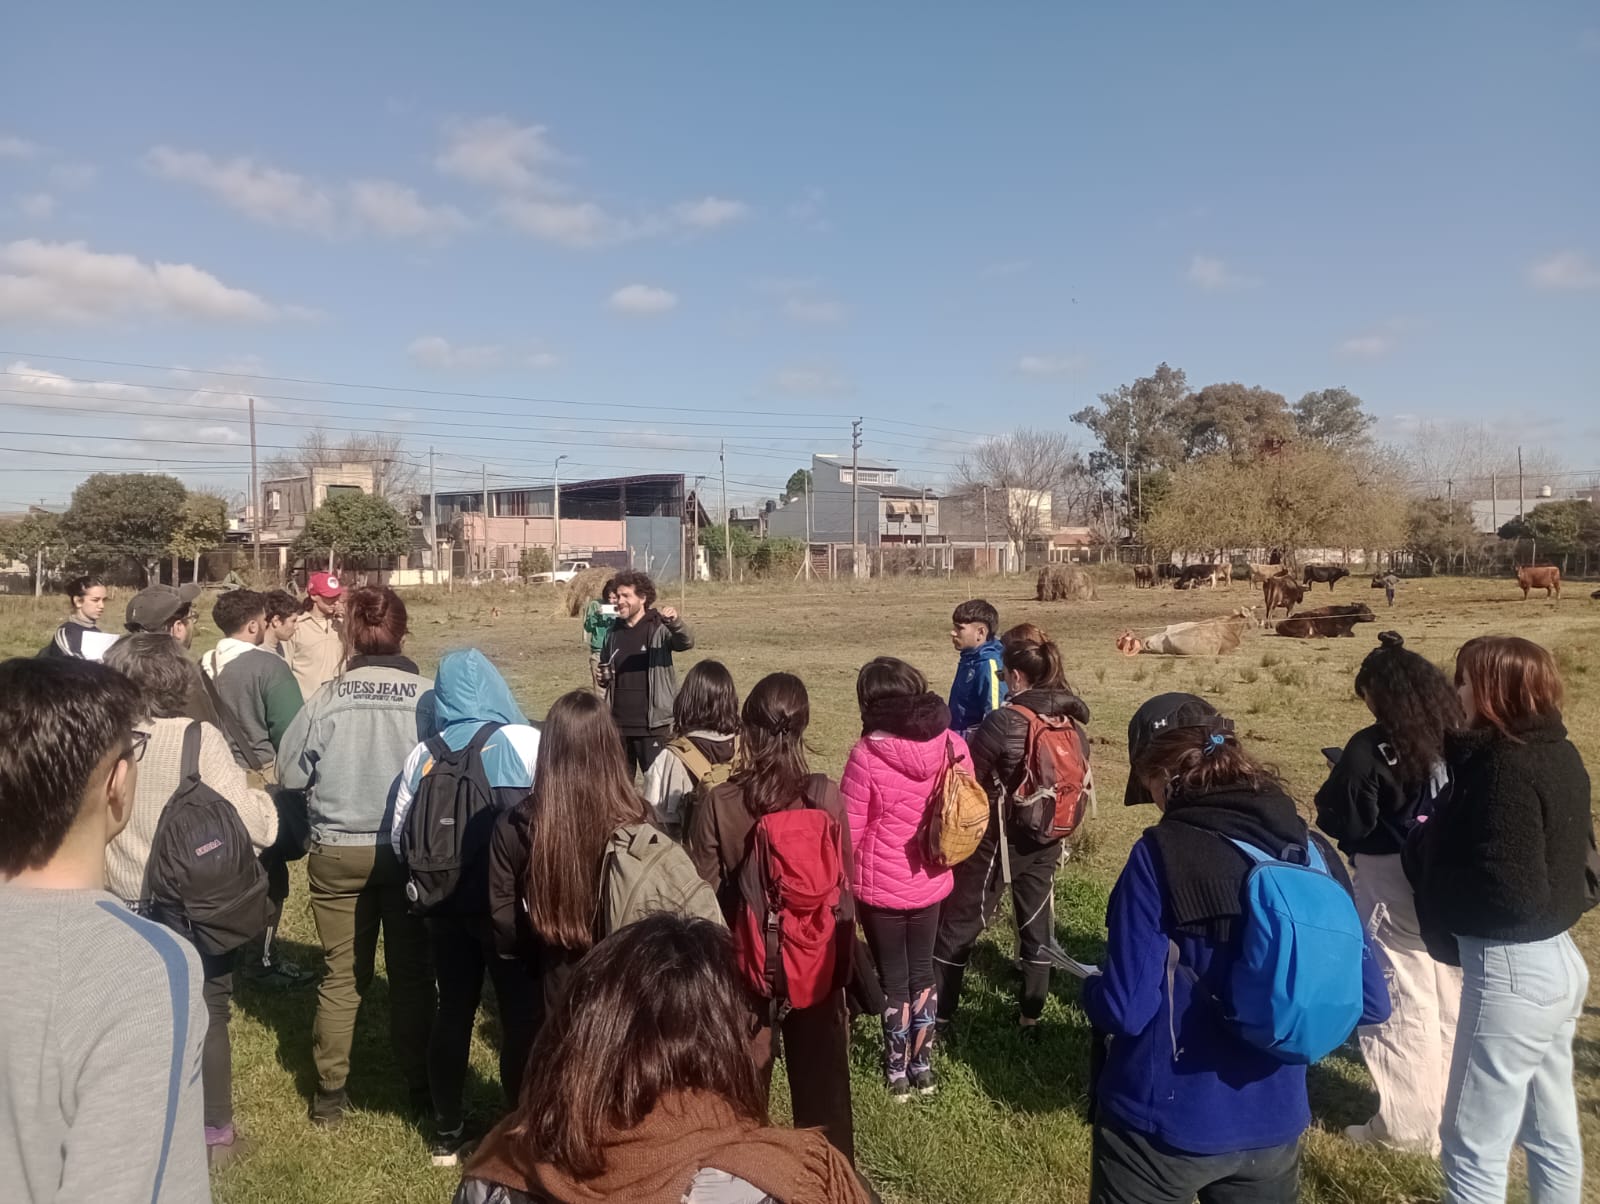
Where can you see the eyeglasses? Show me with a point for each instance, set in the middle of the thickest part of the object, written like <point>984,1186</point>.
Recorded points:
<point>136,745</point>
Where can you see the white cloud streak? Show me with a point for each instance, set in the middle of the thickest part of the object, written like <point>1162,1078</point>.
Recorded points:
<point>1565,271</point>
<point>439,354</point>
<point>1051,365</point>
<point>643,300</point>
<point>285,199</point>
<point>13,147</point>
<point>1214,275</point>
<point>68,282</point>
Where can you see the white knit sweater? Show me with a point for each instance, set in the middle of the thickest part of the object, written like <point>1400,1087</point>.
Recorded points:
<point>158,778</point>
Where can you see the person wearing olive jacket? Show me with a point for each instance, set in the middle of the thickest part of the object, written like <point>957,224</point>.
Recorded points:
<point>1501,880</point>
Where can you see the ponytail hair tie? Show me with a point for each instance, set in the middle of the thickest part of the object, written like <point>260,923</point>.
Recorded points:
<point>1213,742</point>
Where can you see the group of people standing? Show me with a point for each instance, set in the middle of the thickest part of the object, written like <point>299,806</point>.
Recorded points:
<point>1464,810</point>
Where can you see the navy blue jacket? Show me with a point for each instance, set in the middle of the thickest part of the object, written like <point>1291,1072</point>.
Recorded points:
<point>979,687</point>
<point>1191,1085</point>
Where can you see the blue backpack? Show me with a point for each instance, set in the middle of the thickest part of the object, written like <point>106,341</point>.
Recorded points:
<point>1295,990</point>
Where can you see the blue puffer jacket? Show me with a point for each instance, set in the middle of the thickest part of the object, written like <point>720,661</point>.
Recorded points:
<point>979,687</point>
<point>1174,1072</point>
<point>467,693</point>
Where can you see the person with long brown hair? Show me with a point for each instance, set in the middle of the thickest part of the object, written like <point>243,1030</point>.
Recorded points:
<point>1184,1105</point>
<point>773,776</point>
<point>1389,776</point>
<point>1036,682</point>
<point>346,749</point>
<point>641,1091</point>
<point>1501,880</point>
<point>546,853</point>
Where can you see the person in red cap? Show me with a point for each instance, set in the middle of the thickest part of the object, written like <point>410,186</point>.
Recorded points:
<point>317,649</point>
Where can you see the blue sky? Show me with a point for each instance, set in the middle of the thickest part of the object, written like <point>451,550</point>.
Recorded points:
<point>680,221</point>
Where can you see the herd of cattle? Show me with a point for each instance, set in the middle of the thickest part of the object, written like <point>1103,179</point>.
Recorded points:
<point>1280,591</point>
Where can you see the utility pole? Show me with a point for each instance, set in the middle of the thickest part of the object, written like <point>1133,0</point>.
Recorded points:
<point>922,556</point>
<point>855,499</point>
<point>555,506</point>
<point>1522,507</point>
<point>484,567</point>
<point>255,489</point>
<point>433,520</point>
<point>807,565</point>
<point>1449,508</point>
<point>988,561</point>
<point>727,521</point>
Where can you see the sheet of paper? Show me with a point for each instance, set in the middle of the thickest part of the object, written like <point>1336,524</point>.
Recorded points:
<point>1079,969</point>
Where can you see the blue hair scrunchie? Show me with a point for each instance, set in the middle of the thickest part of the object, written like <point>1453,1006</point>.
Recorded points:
<point>1213,742</point>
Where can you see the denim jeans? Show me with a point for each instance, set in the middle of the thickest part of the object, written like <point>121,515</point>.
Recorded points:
<point>1511,1074</point>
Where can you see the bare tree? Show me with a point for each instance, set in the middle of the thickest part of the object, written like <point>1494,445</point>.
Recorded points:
<point>1023,472</point>
<point>1472,462</point>
<point>394,474</point>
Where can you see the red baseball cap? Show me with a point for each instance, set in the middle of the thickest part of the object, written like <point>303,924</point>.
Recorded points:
<point>324,585</point>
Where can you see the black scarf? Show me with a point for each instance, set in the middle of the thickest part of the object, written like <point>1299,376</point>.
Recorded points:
<point>921,717</point>
<point>1204,873</point>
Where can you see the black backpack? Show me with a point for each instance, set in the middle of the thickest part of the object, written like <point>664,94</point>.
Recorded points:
<point>203,878</point>
<point>444,840</point>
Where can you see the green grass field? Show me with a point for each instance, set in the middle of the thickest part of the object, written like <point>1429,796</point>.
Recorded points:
<point>1008,1122</point>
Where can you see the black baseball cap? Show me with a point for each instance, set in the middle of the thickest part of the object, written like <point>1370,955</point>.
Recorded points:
<point>153,607</point>
<point>1159,714</point>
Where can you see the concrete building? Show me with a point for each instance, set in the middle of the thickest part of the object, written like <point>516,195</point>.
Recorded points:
<point>890,513</point>
<point>624,522</point>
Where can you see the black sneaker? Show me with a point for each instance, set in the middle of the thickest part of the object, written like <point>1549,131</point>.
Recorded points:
<point>446,1148</point>
<point>923,1080</point>
<point>899,1090</point>
<point>278,976</point>
<point>1031,1034</point>
<point>327,1110</point>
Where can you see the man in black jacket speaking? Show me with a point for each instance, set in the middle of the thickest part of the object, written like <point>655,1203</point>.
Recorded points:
<point>636,663</point>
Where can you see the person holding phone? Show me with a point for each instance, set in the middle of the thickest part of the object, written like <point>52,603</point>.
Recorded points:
<point>599,617</point>
<point>637,670</point>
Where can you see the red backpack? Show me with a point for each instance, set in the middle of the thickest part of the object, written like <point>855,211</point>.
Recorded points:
<point>1051,798</point>
<point>791,937</point>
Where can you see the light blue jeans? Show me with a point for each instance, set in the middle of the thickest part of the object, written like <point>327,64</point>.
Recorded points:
<point>1511,1073</point>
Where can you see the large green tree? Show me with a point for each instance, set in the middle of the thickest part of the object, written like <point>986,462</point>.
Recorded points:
<point>1438,529</point>
<point>117,517</point>
<point>1558,528</point>
<point>799,482</point>
<point>202,525</point>
<point>32,539</point>
<point>1140,427</point>
<point>1334,418</point>
<point>355,529</point>
<point>1237,419</point>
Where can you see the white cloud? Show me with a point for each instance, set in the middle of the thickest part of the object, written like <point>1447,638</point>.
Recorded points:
<point>497,153</point>
<point>519,164</point>
<point>1051,365</point>
<point>284,198</point>
<point>809,382</point>
<point>68,282</point>
<point>1368,346</point>
<point>543,359</point>
<point>1211,273</point>
<point>267,194</point>
<point>36,205</point>
<point>643,300</point>
<point>1003,268</point>
<point>815,310</point>
<point>19,374</point>
<point>808,211</point>
<point>433,351</point>
<point>710,212</point>
<point>576,224</point>
<point>1565,271</point>
<point>12,147</point>
<point>395,211</point>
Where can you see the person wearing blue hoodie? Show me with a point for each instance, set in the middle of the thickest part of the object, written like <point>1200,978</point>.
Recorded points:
<point>469,693</point>
<point>1182,1104</point>
<point>980,684</point>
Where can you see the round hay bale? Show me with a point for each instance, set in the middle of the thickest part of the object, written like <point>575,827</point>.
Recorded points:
<point>585,588</point>
<point>1065,583</point>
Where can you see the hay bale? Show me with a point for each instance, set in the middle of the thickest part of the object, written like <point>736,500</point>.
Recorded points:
<point>585,588</point>
<point>1065,583</point>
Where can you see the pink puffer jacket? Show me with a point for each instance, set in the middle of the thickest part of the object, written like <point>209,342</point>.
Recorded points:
<point>886,785</point>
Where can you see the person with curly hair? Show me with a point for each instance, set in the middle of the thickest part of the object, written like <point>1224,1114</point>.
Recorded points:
<point>1391,774</point>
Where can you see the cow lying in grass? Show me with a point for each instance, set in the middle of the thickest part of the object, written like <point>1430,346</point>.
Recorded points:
<point>1326,621</point>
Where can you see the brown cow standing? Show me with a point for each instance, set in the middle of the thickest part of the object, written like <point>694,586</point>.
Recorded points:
<point>1545,576</point>
<point>1144,576</point>
<point>1284,592</point>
